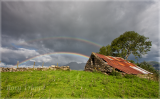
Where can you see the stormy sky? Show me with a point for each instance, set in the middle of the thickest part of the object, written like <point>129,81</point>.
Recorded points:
<point>33,28</point>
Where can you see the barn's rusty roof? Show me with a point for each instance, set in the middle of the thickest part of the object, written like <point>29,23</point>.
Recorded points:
<point>122,65</point>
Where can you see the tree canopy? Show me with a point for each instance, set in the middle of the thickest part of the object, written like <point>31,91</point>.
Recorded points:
<point>106,50</point>
<point>126,44</point>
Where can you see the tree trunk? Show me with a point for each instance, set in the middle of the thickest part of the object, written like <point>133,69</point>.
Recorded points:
<point>128,54</point>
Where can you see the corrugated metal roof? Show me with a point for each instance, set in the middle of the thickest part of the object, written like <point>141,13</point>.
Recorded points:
<point>122,65</point>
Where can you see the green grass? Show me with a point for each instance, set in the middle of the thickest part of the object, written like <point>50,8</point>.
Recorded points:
<point>74,84</point>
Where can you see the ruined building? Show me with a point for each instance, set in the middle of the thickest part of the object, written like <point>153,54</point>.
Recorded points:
<point>106,64</point>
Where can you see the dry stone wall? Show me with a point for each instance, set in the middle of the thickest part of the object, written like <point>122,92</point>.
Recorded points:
<point>52,67</point>
<point>147,76</point>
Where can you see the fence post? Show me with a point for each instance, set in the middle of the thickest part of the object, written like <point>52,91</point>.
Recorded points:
<point>17,63</point>
<point>33,65</point>
<point>42,64</point>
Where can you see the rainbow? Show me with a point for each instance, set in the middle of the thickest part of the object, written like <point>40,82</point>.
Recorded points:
<point>53,53</point>
<point>70,38</point>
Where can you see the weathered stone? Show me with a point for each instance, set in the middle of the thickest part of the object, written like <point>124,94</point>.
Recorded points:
<point>96,63</point>
<point>53,65</point>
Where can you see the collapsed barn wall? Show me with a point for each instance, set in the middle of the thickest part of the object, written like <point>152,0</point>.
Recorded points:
<point>96,63</point>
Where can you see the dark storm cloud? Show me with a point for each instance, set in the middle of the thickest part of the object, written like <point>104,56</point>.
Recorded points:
<point>99,22</point>
<point>77,19</point>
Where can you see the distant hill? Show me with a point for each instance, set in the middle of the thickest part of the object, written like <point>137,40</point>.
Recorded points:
<point>154,64</point>
<point>76,66</point>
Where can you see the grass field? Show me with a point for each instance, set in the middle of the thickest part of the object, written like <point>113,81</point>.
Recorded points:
<point>74,84</point>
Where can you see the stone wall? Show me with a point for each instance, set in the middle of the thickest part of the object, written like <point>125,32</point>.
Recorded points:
<point>147,76</point>
<point>97,64</point>
<point>52,67</point>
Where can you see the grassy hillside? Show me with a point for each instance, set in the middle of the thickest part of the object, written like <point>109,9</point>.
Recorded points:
<point>74,84</point>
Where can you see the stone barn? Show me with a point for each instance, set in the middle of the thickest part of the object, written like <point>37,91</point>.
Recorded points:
<point>106,64</point>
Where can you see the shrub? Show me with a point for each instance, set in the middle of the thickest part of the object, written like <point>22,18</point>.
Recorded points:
<point>94,71</point>
<point>130,76</point>
<point>149,68</point>
<point>114,73</point>
<point>146,66</point>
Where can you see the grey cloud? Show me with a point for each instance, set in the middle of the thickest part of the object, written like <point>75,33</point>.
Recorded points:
<point>99,22</point>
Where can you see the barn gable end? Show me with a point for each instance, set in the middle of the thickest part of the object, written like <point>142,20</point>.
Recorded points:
<point>96,63</point>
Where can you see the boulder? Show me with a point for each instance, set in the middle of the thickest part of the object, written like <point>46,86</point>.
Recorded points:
<point>53,66</point>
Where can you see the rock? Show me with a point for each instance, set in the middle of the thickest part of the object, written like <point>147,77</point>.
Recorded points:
<point>105,73</point>
<point>53,66</point>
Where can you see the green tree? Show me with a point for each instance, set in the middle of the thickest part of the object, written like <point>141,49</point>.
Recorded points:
<point>145,65</point>
<point>106,50</point>
<point>129,43</point>
<point>131,61</point>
